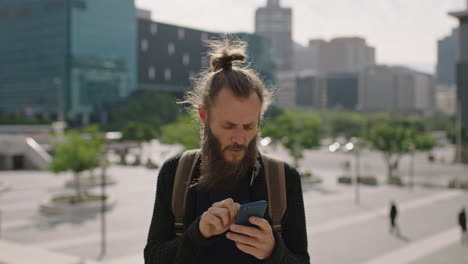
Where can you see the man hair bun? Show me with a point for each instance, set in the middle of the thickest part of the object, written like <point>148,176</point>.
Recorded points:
<point>224,53</point>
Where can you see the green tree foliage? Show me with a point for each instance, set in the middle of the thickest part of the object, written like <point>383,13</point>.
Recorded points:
<point>78,153</point>
<point>12,119</point>
<point>185,131</point>
<point>345,124</point>
<point>135,131</point>
<point>394,140</point>
<point>296,130</point>
<point>148,107</point>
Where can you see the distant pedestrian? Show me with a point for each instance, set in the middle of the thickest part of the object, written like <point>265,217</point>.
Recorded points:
<point>462,223</point>
<point>393,215</point>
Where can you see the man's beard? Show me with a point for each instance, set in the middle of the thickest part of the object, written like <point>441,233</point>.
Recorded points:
<point>217,174</point>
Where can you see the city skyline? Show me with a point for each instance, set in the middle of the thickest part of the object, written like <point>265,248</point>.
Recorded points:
<point>422,22</point>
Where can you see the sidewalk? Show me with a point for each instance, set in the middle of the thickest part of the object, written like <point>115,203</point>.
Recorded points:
<point>13,253</point>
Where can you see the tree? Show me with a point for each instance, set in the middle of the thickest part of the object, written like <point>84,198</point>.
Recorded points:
<point>395,140</point>
<point>78,154</point>
<point>138,132</point>
<point>344,124</point>
<point>147,107</point>
<point>296,131</point>
<point>185,131</point>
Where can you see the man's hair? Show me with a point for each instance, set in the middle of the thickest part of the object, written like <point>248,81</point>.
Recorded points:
<point>225,70</point>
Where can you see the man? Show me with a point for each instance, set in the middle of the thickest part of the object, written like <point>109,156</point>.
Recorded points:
<point>230,102</point>
<point>462,223</point>
<point>393,215</point>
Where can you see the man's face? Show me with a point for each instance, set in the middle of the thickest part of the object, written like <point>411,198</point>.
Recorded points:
<point>234,122</point>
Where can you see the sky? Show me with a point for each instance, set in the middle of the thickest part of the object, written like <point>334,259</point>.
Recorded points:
<point>404,32</point>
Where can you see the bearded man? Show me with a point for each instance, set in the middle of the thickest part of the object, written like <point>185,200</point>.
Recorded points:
<point>230,102</point>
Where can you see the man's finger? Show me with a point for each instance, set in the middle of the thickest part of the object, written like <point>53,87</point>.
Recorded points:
<point>247,249</point>
<point>243,239</point>
<point>260,222</point>
<point>221,213</point>
<point>223,203</point>
<point>233,211</point>
<point>245,230</point>
<point>212,220</point>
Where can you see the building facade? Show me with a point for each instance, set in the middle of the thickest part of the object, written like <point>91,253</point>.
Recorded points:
<point>64,59</point>
<point>275,23</point>
<point>342,90</point>
<point>447,49</point>
<point>462,83</point>
<point>170,56</point>
<point>396,89</point>
<point>344,54</point>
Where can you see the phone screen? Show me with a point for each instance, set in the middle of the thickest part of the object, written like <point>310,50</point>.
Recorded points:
<point>247,210</point>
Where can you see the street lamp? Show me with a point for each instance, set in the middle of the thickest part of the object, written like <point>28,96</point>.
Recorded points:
<point>57,81</point>
<point>411,149</point>
<point>356,148</point>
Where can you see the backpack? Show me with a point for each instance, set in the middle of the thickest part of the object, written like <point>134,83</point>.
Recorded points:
<point>274,177</point>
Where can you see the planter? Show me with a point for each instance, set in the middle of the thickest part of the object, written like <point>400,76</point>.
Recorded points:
<point>458,184</point>
<point>345,180</point>
<point>90,181</point>
<point>395,180</point>
<point>364,180</point>
<point>72,204</point>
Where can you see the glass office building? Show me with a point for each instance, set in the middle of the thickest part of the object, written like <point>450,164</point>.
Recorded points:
<point>66,57</point>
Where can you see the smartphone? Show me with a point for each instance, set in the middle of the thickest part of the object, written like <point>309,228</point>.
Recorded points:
<point>251,209</point>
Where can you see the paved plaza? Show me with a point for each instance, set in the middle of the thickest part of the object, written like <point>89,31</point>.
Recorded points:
<point>339,230</point>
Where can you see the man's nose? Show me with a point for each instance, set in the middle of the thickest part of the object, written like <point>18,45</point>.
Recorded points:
<point>239,139</point>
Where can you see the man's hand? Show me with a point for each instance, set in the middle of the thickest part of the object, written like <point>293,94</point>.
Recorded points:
<point>217,219</point>
<point>258,242</point>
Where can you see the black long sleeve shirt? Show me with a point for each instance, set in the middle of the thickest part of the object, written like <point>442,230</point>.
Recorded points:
<point>164,247</point>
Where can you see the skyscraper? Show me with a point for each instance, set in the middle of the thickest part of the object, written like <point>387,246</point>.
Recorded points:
<point>66,59</point>
<point>447,49</point>
<point>462,81</point>
<point>275,22</point>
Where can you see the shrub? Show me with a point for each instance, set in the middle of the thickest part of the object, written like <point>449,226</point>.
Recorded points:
<point>395,180</point>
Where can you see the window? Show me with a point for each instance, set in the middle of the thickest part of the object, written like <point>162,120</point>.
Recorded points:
<point>154,29</point>
<point>54,5</point>
<point>151,73</point>
<point>144,44</point>
<point>167,74</point>
<point>181,33</point>
<point>79,4</point>
<point>186,59</point>
<point>171,48</point>
<point>204,36</point>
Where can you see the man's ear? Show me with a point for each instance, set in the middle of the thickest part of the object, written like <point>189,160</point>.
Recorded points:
<point>202,114</point>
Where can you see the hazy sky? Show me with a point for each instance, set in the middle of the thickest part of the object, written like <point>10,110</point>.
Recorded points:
<point>403,31</point>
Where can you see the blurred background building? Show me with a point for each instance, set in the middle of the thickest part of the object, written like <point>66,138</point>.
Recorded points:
<point>396,89</point>
<point>275,22</point>
<point>343,54</point>
<point>65,59</point>
<point>462,84</point>
<point>170,56</point>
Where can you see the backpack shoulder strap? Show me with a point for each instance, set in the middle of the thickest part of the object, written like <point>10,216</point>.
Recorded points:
<point>276,186</point>
<point>181,184</point>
